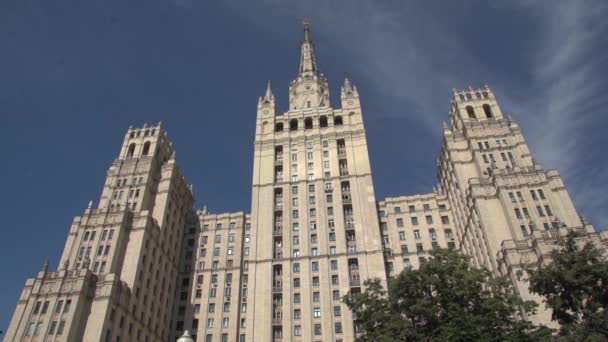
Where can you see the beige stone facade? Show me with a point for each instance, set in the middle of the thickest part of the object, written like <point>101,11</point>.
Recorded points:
<point>144,265</point>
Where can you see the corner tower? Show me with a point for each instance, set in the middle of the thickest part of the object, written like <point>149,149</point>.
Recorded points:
<point>314,226</point>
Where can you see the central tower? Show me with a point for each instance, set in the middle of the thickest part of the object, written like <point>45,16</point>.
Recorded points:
<point>315,233</point>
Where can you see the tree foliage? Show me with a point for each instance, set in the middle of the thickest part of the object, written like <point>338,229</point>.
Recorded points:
<point>444,300</point>
<point>575,287</point>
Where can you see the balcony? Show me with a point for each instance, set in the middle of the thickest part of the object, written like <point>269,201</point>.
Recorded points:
<point>278,179</point>
<point>278,206</point>
<point>329,189</point>
<point>276,321</point>
<point>351,247</point>
<point>277,288</point>
<point>355,281</point>
<point>341,151</point>
<point>277,232</point>
<point>347,200</point>
<point>343,172</point>
<point>278,161</point>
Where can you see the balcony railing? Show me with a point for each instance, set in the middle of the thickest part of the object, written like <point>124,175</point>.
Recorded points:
<point>277,289</point>
<point>277,232</point>
<point>355,282</point>
<point>347,200</point>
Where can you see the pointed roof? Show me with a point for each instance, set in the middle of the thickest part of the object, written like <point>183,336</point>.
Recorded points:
<point>307,53</point>
<point>268,94</point>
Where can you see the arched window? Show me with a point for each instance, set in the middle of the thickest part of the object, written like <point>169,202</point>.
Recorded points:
<point>461,97</point>
<point>338,121</point>
<point>323,121</point>
<point>308,123</point>
<point>487,110</point>
<point>131,151</point>
<point>278,127</point>
<point>293,125</point>
<point>471,112</point>
<point>146,149</point>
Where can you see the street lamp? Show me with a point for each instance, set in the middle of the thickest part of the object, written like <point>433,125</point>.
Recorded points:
<point>185,337</point>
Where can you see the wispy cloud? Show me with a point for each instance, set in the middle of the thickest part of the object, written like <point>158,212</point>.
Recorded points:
<point>412,55</point>
<point>402,54</point>
<point>570,98</point>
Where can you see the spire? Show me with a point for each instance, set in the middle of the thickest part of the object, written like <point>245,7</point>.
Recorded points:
<point>268,96</point>
<point>307,53</point>
<point>347,87</point>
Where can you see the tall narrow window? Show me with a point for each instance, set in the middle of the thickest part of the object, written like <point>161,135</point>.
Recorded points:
<point>146,149</point>
<point>487,110</point>
<point>471,112</point>
<point>131,151</point>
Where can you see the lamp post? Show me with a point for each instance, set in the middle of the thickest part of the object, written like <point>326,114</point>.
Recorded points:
<point>185,337</point>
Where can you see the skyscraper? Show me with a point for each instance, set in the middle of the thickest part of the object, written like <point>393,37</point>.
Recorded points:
<point>144,265</point>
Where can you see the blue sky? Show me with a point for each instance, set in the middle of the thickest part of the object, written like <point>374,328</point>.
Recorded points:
<point>74,74</point>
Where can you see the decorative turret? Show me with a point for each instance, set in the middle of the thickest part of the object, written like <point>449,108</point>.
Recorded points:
<point>349,95</point>
<point>267,103</point>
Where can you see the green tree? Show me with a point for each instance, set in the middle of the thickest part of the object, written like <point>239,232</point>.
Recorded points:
<point>444,300</point>
<point>575,287</point>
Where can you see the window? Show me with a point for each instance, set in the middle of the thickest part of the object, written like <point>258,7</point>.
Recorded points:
<point>332,236</point>
<point>419,248</point>
<point>45,307</point>
<point>487,110</point>
<point>316,297</point>
<point>407,263</point>
<point>414,221</point>
<point>315,281</point>
<point>338,327</point>
<point>294,190</point>
<point>335,280</point>
<point>470,112</point>
<point>296,253</point>
<point>314,252</point>
<point>297,330</point>
<point>541,194</point>
<point>520,196</point>
<point>548,210</point>
<point>338,121</point>
<point>58,306</point>
<point>445,220</point>
<point>332,250</point>
<point>337,311</point>
<point>316,312</point>
<point>293,125</point>
<point>296,282</point>
<point>60,327</point>
<point>308,121</point>
<point>311,188</point>
<point>412,208</point>
<point>518,213</point>
<point>296,267</point>
<point>539,209</point>
<point>295,240</point>
<point>309,155</point>
<point>323,122</point>
<point>417,234</point>
<point>336,294</point>
<point>533,195</point>
<point>315,266</point>
<point>317,329</point>
<point>52,327</point>
<point>333,264</point>
<point>399,222</point>
<point>524,231</point>
<point>296,298</point>
<point>429,219</point>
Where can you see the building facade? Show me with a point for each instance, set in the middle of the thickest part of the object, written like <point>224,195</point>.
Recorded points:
<point>144,265</point>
